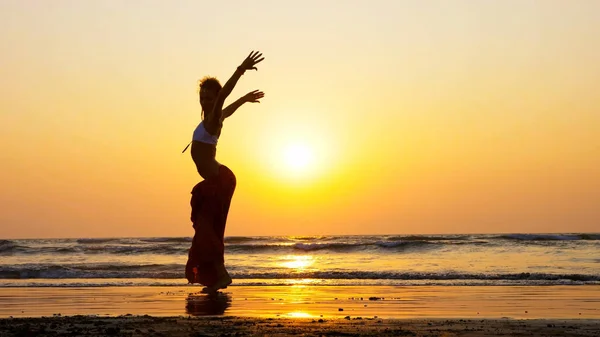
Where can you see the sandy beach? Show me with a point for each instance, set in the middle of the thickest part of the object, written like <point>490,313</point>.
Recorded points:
<point>246,326</point>
<point>305,310</point>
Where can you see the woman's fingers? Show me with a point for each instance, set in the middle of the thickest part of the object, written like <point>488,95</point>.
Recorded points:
<point>254,56</point>
<point>252,59</point>
<point>255,95</point>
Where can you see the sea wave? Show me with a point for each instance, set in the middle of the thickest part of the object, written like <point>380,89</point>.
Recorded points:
<point>91,271</point>
<point>176,271</point>
<point>428,238</point>
<point>167,240</point>
<point>548,237</point>
<point>95,240</point>
<point>180,246</point>
<point>8,247</point>
<point>338,247</point>
<point>349,275</point>
<point>241,239</point>
<point>160,249</point>
<point>137,249</point>
<point>396,244</point>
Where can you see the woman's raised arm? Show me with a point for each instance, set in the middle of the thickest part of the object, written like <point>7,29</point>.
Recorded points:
<point>249,63</point>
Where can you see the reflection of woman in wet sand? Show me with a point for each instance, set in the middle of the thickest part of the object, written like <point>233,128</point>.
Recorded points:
<point>211,198</point>
<point>211,305</point>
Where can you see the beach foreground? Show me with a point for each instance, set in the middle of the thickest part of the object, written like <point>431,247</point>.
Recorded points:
<point>302,309</point>
<point>252,326</point>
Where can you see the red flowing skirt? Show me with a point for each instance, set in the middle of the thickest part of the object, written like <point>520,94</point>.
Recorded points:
<point>210,203</point>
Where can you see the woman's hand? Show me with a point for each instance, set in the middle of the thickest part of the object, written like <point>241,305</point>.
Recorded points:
<point>251,61</point>
<point>254,96</point>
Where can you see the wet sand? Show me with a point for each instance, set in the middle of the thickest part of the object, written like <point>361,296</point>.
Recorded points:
<point>252,326</point>
<point>304,310</point>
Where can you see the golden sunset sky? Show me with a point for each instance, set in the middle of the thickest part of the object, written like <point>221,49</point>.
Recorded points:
<point>411,116</point>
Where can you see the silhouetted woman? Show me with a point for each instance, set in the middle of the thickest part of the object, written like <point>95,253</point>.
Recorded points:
<point>211,197</point>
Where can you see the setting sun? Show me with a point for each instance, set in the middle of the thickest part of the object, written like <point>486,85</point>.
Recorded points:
<point>304,154</point>
<point>298,157</point>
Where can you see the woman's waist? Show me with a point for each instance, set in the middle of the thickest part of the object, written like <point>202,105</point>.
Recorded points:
<point>203,153</point>
<point>207,167</point>
<point>207,163</point>
<point>201,147</point>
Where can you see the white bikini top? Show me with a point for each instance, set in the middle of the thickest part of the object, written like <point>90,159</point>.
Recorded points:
<point>201,135</point>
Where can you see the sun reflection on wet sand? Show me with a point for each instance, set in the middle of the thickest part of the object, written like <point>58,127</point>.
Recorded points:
<point>299,314</point>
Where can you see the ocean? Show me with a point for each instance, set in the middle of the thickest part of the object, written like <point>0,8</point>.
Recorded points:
<point>446,260</point>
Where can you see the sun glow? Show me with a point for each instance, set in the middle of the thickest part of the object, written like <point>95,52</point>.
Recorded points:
<point>298,157</point>
<point>299,314</point>
<point>302,162</point>
<point>297,262</point>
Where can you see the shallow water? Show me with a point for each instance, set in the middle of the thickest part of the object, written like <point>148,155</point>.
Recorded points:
<point>395,260</point>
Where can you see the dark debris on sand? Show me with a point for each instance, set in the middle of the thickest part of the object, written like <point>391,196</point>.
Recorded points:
<point>133,326</point>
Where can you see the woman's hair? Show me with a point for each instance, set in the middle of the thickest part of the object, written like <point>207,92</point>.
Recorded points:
<point>209,83</point>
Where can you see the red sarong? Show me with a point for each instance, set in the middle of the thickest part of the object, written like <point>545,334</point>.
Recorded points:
<point>210,203</point>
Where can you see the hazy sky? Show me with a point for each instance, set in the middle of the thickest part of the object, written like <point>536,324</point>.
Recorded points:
<point>414,116</point>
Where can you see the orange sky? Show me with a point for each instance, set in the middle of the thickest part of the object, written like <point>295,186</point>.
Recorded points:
<point>416,116</point>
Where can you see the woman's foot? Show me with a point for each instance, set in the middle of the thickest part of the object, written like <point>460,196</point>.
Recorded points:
<point>224,278</point>
<point>223,282</point>
<point>209,290</point>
